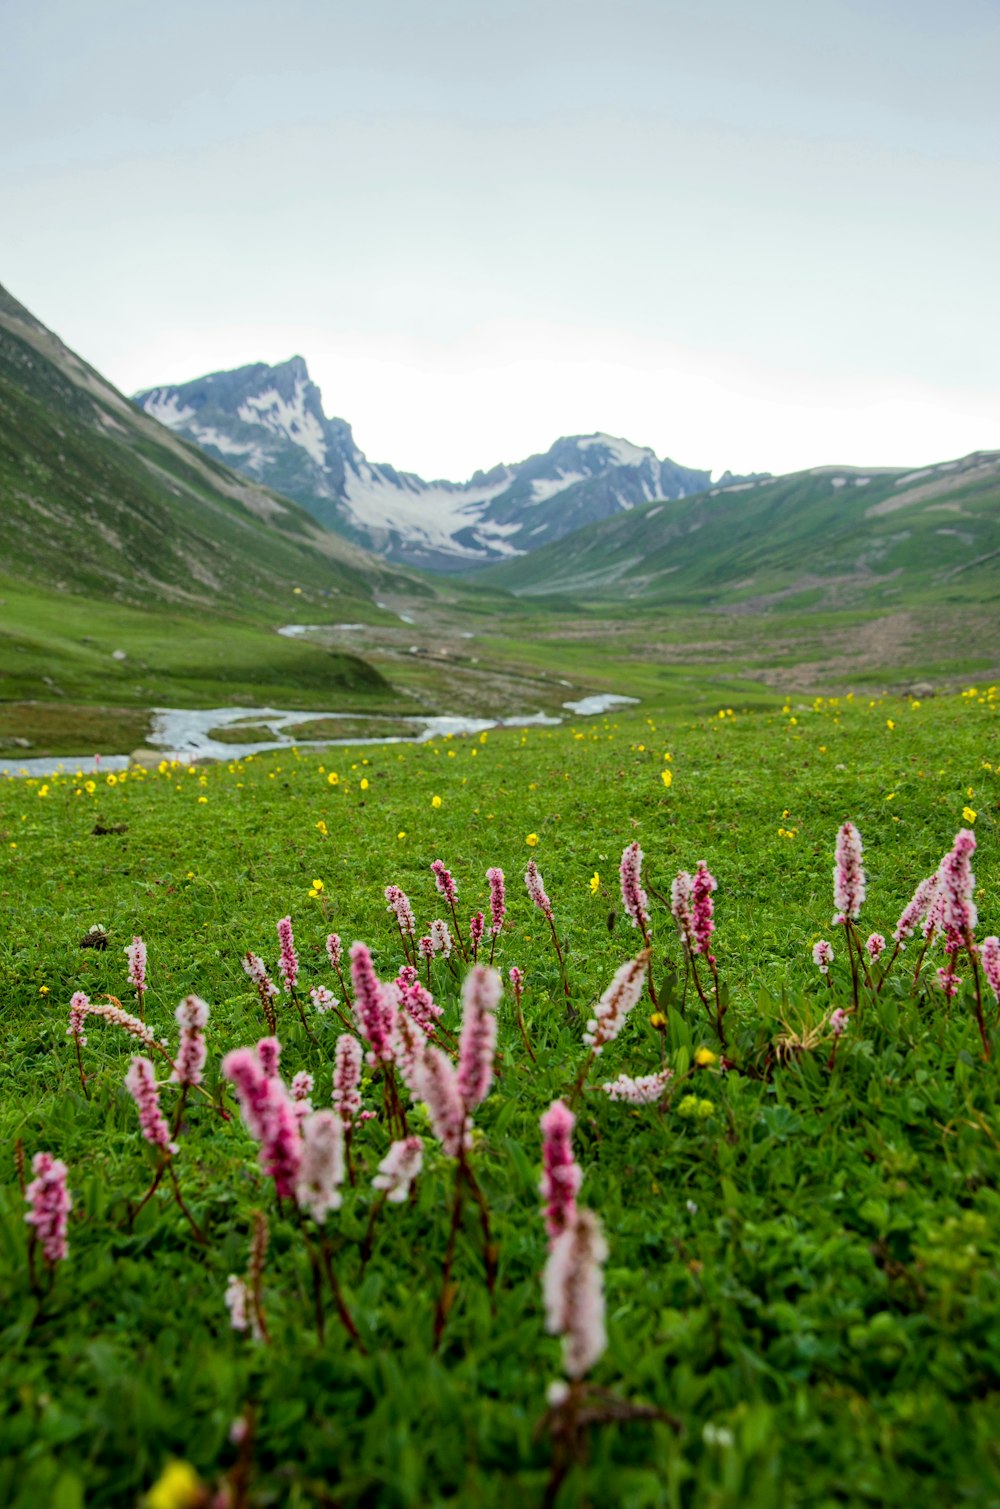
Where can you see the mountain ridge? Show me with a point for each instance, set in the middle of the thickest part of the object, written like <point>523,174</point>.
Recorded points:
<point>268,422</point>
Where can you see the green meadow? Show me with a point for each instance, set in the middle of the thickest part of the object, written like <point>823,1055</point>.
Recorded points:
<point>802,1282</point>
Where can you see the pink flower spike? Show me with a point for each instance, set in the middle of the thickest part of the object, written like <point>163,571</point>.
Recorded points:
<point>574,1292</point>
<point>408,1043</point>
<point>875,944</point>
<point>108,1011</point>
<point>441,938</point>
<point>399,1168</point>
<point>333,951</point>
<point>989,953</point>
<point>477,924</point>
<point>374,1010</point>
<point>561,1174</point>
<point>615,1004</point>
<point>823,956</point>
<point>136,955</point>
<point>634,898</point>
<point>701,909</point>
<point>302,1085</point>
<point>191,1016</point>
<point>416,1000</point>
<point>399,905</point>
<point>517,980</point>
<point>437,1086</point>
<point>236,1302</point>
<point>444,882</point>
<point>140,1082</point>
<point>848,875</point>
<point>256,969</point>
<point>839,1021</point>
<point>536,889</point>
<point>681,908</point>
<point>289,961</point>
<point>321,1170</point>
<point>324,1000</point>
<point>647,1090</point>
<point>481,992</point>
<point>426,947</point>
<point>498,900</point>
<point>269,1117</point>
<point>268,1055</point>
<point>956,885</point>
<point>347,1078</point>
<point>49,1204</point>
<point>916,909</point>
<point>79,1005</point>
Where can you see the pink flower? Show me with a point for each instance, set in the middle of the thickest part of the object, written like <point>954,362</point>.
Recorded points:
<point>333,951</point>
<point>681,907</point>
<point>268,1055</point>
<point>875,944</point>
<point>236,1302</point>
<point>437,1086</point>
<point>956,884</point>
<point>79,1005</point>
<point>399,1168</point>
<point>574,1292</point>
<point>916,908</point>
<point>324,1000</point>
<point>561,1174</point>
<point>848,875</point>
<point>444,882</point>
<point>481,994</point>
<point>701,909</point>
<point>990,955</point>
<point>302,1086</point>
<point>416,1000</point>
<point>49,1203</point>
<point>289,961</point>
<point>517,980</point>
<point>644,1091</point>
<point>536,889</point>
<point>441,938</point>
<point>109,1012</point>
<point>839,1021</point>
<point>823,956</point>
<point>477,924</point>
<point>256,969</point>
<point>191,1016</point>
<point>426,947</point>
<point>269,1117</point>
<point>408,1043</point>
<point>347,1078</point>
<point>374,1007</point>
<point>400,906</point>
<point>498,901</point>
<point>321,1168</point>
<point>140,1082</point>
<point>948,980</point>
<point>136,955</point>
<point>615,1004</point>
<point>634,898</point>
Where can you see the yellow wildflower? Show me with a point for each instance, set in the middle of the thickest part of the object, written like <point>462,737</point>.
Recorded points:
<point>658,1020</point>
<point>317,885</point>
<point>667,777</point>
<point>321,827</point>
<point>333,779</point>
<point>89,787</point>
<point>178,1487</point>
<point>435,801</point>
<point>364,783</point>
<point>889,724</point>
<point>969,814</point>
<point>531,839</point>
<point>704,1057</point>
<point>595,883</point>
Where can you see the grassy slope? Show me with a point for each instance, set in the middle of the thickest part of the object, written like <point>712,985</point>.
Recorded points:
<point>812,1268</point>
<point>797,542</point>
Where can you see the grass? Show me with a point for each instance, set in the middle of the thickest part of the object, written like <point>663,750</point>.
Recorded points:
<point>805,1275</point>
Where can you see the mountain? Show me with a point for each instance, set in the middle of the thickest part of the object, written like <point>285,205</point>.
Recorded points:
<point>828,538</point>
<point>269,423</point>
<point>98,498</point>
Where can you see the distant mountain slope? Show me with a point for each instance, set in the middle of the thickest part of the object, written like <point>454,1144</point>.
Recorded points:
<point>834,537</point>
<point>268,422</point>
<point>97,498</point>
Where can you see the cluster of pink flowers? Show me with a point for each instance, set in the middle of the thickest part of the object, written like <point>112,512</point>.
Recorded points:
<point>823,956</point>
<point>269,1056</point>
<point>399,905</point>
<point>498,900</point>
<point>256,969</point>
<point>481,992</point>
<point>692,908</point>
<point>561,1174</point>
<point>321,1165</point>
<point>136,955</point>
<point>477,925</point>
<point>916,909</point>
<point>191,1016</point>
<point>634,898</point>
<point>333,951</point>
<point>416,1000</point>
<point>838,1021</point>
<point>347,1078</point>
<point>289,960</point>
<point>574,1292</point>
<point>517,980</point>
<point>989,954</point>
<point>140,1082</point>
<point>444,882</point>
<point>436,1084</point>
<point>848,875</point>
<point>615,1004</point>
<point>645,1090</point>
<point>109,1011</point>
<point>268,1115</point>
<point>374,1005</point>
<point>440,939</point>
<point>78,1008</point>
<point>398,1169</point>
<point>49,1205</point>
<point>426,947</point>
<point>536,889</point>
<point>875,945</point>
<point>323,999</point>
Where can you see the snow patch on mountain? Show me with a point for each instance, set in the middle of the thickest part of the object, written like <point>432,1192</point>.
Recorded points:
<point>164,405</point>
<point>291,419</point>
<point>621,452</point>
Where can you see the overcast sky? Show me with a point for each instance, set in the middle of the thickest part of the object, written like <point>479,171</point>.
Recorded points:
<point>757,236</point>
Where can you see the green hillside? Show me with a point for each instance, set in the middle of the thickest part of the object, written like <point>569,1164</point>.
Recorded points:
<point>832,538</point>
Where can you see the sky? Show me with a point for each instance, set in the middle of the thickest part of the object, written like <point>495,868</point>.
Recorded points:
<point>752,236</point>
